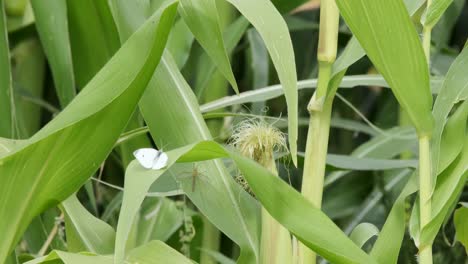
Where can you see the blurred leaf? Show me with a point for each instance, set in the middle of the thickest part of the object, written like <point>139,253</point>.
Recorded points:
<point>180,42</point>
<point>52,26</point>
<point>201,16</point>
<point>159,219</point>
<point>362,233</point>
<point>146,254</point>
<point>342,199</point>
<point>19,18</point>
<point>232,35</point>
<point>28,72</point>
<point>84,231</point>
<point>460,221</point>
<point>387,247</point>
<point>112,207</point>
<point>61,257</point>
<point>220,258</point>
<point>66,146</point>
<point>39,230</point>
<point>413,5</point>
<point>277,40</point>
<point>352,163</point>
<point>156,251</point>
<point>93,37</point>
<point>7,107</point>
<point>346,162</point>
<point>370,205</point>
<point>441,37</point>
<point>452,137</point>
<point>270,92</point>
<point>285,6</point>
<point>435,12</point>
<point>12,259</point>
<point>137,184</point>
<point>259,66</point>
<point>386,32</point>
<point>388,145</point>
<point>131,144</point>
<point>15,7</point>
<point>8,145</point>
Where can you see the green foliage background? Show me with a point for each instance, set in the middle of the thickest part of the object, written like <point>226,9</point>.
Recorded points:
<point>85,83</point>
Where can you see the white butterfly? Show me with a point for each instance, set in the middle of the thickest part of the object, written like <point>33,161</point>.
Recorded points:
<point>151,158</point>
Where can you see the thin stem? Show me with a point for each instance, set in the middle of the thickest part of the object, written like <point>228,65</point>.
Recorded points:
<point>314,166</point>
<point>315,156</point>
<point>425,188</point>
<point>211,240</point>
<point>319,109</point>
<point>427,43</point>
<point>425,181</point>
<point>276,245</point>
<point>427,37</point>
<point>50,237</point>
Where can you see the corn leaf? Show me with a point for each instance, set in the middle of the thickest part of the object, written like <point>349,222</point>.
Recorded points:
<point>232,35</point>
<point>146,254</point>
<point>234,216</point>
<point>362,233</point>
<point>84,231</point>
<point>52,26</point>
<point>93,37</point>
<point>435,12</point>
<point>307,223</point>
<point>450,181</point>
<point>460,221</point>
<point>62,155</point>
<point>387,247</point>
<point>385,31</point>
<point>454,90</point>
<point>201,16</point>
<point>6,87</point>
<point>237,218</point>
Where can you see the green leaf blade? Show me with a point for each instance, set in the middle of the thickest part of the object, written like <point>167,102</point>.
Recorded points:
<point>435,12</point>
<point>62,155</point>
<point>387,34</point>
<point>201,16</point>
<point>454,89</point>
<point>52,26</point>
<point>6,88</point>
<point>84,231</point>
<point>461,225</point>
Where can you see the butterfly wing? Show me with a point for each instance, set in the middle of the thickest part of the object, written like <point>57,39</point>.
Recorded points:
<point>146,156</point>
<point>161,161</point>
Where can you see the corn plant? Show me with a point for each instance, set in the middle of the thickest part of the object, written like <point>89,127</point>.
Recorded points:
<point>224,131</point>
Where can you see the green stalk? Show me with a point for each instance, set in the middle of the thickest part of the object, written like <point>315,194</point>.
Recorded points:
<point>211,239</point>
<point>427,37</point>
<point>319,108</point>
<point>425,182</point>
<point>276,247</point>
<point>425,254</point>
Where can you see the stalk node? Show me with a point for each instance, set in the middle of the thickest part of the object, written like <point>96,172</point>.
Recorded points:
<point>316,105</point>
